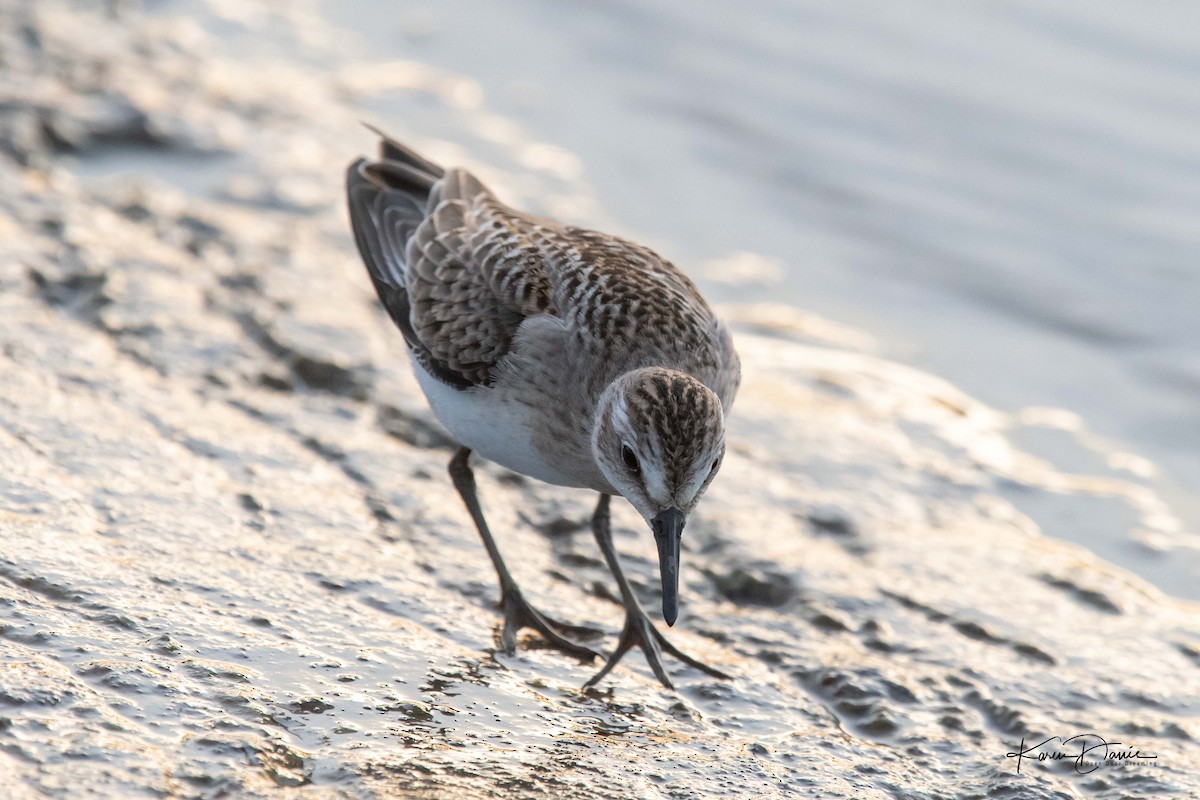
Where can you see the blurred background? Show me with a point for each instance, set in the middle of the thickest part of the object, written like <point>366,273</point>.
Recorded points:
<point>1004,194</point>
<point>948,235</point>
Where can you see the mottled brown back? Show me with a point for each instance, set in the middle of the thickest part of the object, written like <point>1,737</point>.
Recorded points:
<point>459,272</point>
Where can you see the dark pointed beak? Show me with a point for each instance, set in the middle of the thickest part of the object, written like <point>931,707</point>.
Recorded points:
<point>668,531</point>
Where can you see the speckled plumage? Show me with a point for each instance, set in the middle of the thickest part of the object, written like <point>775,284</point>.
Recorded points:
<point>461,274</point>
<point>566,354</point>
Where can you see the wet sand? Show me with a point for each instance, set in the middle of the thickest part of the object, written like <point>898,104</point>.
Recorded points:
<point>231,564</point>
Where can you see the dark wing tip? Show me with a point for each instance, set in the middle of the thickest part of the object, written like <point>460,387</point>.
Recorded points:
<point>375,190</point>
<point>391,150</point>
<point>361,194</point>
<point>355,180</point>
<point>389,174</point>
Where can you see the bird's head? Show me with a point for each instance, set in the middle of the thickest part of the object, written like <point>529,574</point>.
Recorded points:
<point>659,439</point>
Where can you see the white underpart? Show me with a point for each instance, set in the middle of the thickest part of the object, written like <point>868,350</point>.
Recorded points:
<point>496,429</point>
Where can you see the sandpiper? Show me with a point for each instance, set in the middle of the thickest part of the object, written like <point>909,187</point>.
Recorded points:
<point>565,354</point>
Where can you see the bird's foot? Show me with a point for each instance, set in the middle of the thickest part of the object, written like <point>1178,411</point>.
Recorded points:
<point>640,631</point>
<point>518,614</point>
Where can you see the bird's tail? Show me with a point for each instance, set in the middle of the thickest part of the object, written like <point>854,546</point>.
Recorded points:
<point>388,199</point>
<point>391,150</point>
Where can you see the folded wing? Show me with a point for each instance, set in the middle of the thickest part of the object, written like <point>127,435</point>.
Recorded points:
<point>451,264</point>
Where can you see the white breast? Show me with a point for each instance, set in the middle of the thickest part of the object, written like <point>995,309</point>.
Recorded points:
<point>500,430</point>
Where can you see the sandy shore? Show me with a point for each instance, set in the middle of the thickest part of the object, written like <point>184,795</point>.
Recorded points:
<point>231,564</point>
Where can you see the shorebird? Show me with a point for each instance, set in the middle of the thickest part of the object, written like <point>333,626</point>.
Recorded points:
<point>565,354</point>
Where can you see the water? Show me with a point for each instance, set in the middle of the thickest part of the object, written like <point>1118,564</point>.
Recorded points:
<point>1006,194</point>
<point>231,562</point>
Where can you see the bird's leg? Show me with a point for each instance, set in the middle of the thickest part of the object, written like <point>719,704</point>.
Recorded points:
<point>638,629</point>
<point>518,613</point>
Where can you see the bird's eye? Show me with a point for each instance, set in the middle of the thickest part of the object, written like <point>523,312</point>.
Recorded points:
<point>716,463</point>
<point>630,460</point>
